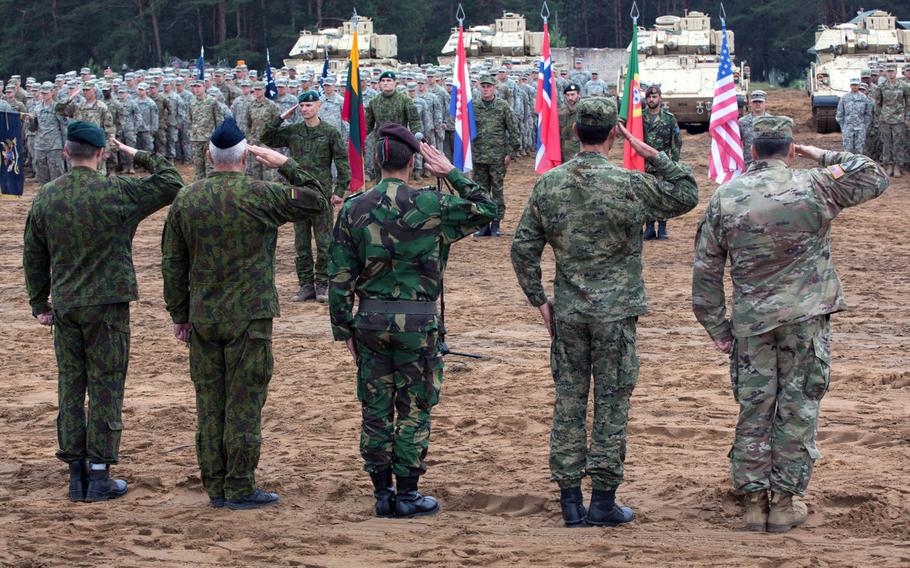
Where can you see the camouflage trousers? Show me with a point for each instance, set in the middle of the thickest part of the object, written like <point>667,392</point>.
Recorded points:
<point>779,378</point>
<point>606,351</point>
<point>231,366</point>
<point>126,162</point>
<point>145,141</point>
<point>399,375</point>
<point>92,345</point>
<point>317,229</point>
<point>449,145</point>
<point>184,147</point>
<point>369,155</point>
<point>492,177</point>
<point>201,161</point>
<point>48,165</point>
<point>161,141</point>
<point>873,145</point>
<point>173,135</point>
<point>854,139</point>
<point>893,145</point>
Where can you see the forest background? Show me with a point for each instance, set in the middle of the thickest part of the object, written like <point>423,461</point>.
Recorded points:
<point>43,37</point>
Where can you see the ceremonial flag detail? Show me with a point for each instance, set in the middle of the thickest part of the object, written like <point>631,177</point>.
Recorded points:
<point>271,91</point>
<point>630,110</point>
<point>12,176</point>
<point>325,68</point>
<point>549,153</point>
<point>461,108</point>
<point>352,112</point>
<point>726,143</point>
<point>200,64</point>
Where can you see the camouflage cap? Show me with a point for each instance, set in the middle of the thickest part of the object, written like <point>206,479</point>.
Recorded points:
<point>47,86</point>
<point>122,90</point>
<point>863,87</point>
<point>865,73</point>
<point>487,80</point>
<point>246,83</point>
<point>85,71</point>
<point>179,81</point>
<point>891,67</point>
<point>10,88</point>
<point>412,86</point>
<point>596,111</point>
<point>258,85</point>
<point>105,86</point>
<point>855,81</point>
<point>142,86</point>
<point>88,85</point>
<point>759,96</point>
<point>773,128</point>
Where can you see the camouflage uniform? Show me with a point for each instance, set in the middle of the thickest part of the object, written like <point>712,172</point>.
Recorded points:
<point>149,124</point>
<point>172,103</point>
<point>661,133</point>
<point>397,108</point>
<point>259,113</point>
<point>580,77</point>
<point>893,102</point>
<point>590,213</point>
<point>78,250</point>
<point>205,116</point>
<point>96,113</point>
<point>747,133</point>
<point>568,142</point>
<point>184,146</point>
<point>50,131</point>
<point>218,263</point>
<point>239,108</point>
<point>386,246</point>
<point>164,117</point>
<point>130,123</point>
<point>854,114</point>
<point>497,136</point>
<point>316,149</point>
<point>774,223</point>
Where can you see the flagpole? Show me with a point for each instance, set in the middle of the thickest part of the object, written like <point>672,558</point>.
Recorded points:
<point>355,19</point>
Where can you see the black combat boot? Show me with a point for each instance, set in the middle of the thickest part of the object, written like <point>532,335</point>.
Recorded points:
<point>573,509</point>
<point>483,231</point>
<point>306,293</point>
<point>649,234</point>
<point>384,492</point>
<point>254,500</point>
<point>410,503</point>
<point>102,487</point>
<point>78,480</point>
<point>494,228</point>
<point>604,512</point>
<point>662,231</point>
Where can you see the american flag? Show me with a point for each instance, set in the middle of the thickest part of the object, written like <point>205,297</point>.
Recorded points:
<point>549,154</point>
<point>726,144</point>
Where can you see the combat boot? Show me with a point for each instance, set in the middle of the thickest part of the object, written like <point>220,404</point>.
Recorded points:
<point>662,231</point>
<point>785,513</point>
<point>897,171</point>
<point>483,231</point>
<point>409,503</point>
<point>322,293</point>
<point>649,234</point>
<point>604,512</point>
<point>102,487</point>
<point>254,500</point>
<point>572,504</point>
<point>494,228</point>
<point>756,511</point>
<point>78,480</point>
<point>306,293</point>
<point>384,492</point>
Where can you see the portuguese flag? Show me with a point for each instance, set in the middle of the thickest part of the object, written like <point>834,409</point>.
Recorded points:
<point>630,112</point>
<point>352,112</point>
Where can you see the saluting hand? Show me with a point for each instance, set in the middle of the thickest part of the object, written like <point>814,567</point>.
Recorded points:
<point>811,152</point>
<point>435,161</point>
<point>266,156</point>
<point>639,146</point>
<point>128,150</point>
<point>289,112</point>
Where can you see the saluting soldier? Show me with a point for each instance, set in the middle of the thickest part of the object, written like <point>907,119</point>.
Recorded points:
<point>205,116</point>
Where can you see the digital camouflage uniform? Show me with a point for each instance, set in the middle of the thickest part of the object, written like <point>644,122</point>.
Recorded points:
<point>259,113</point>
<point>130,121</point>
<point>893,102</point>
<point>172,103</point>
<point>164,112</point>
<point>774,223</point>
<point>590,212</point>
<point>854,114</point>
<point>218,263</point>
<point>78,251</point>
<point>386,246</point>
<point>661,133</point>
<point>50,132</point>
<point>184,146</point>
<point>385,108</point>
<point>497,136</point>
<point>95,112</point>
<point>205,116</point>
<point>316,149</point>
<point>149,124</point>
<point>568,142</point>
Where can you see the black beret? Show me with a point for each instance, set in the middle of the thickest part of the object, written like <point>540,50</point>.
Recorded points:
<point>401,134</point>
<point>388,75</point>
<point>86,133</point>
<point>308,97</point>
<point>572,88</point>
<point>227,135</point>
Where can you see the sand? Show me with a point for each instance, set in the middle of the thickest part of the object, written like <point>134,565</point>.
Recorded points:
<point>488,458</point>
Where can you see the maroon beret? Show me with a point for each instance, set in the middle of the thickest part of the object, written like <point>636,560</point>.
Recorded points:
<point>401,134</point>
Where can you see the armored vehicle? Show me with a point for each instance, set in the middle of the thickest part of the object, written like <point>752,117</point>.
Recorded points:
<point>506,39</point>
<point>308,54</point>
<point>682,54</point>
<point>842,52</point>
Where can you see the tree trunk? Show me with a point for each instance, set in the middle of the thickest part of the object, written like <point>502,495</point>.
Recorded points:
<point>140,4</point>
<point>221,22</point>
<point>318,14</point>
<point>292,15</point>
<point>156,32</point>
<point>199,27</point>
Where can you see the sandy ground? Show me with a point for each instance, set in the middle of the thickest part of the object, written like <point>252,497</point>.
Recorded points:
<point>488,458</point>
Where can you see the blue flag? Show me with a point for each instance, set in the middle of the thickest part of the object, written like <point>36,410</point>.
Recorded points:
<point>325,73</point>
<point>271,91</point>
<point>200,64</point>
<point>12,175</point>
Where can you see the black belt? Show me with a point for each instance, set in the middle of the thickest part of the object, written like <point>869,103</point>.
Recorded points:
<point>407,307</point>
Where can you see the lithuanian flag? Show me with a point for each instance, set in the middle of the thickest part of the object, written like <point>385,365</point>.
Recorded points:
<point>630,112</point>
<point>352,112</point>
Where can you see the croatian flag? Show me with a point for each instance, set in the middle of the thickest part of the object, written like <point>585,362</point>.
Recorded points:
<point>726,143</point>
<point>461,108</point>
<point>549,154</point>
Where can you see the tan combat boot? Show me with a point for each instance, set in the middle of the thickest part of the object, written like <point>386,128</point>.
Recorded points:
<point>785,513</point>
<point>756,511</point>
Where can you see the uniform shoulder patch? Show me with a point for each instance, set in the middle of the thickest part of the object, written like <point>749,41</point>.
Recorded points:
<point>836,171</point>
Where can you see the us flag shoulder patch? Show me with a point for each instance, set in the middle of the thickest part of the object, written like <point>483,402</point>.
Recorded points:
<point>836,171</point>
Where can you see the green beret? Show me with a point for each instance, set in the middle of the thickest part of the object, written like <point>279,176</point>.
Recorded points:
<point>487,80</point>
<point>86,133</point>
<point>388,75</point>
<point>308,97</point>
<point>773,128</point>
<point>596,111</point>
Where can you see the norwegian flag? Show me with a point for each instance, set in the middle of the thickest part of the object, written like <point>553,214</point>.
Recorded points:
<point>726,143</point>
<point>549,154</point>
<point>461,108</point>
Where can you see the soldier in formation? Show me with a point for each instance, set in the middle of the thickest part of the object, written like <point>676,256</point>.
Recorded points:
<point>205,116</point>
<point>757,107</point>
<point>854,115</point>
<point>49,130</point>
<point>662,133</point>
<point>774,223</point>
<point>568,143</point>
<point>259,113</point>
<point>892,100</point>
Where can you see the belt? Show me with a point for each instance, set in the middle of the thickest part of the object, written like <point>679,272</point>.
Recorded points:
<point>407,307</point>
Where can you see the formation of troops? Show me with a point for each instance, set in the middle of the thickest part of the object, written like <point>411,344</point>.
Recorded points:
<point>379,262</point>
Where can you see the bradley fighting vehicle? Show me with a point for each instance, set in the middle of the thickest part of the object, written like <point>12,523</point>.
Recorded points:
<point>682,54</point>
<point>308,54</point>
<point>507,38</point>
<point>843,51</point>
